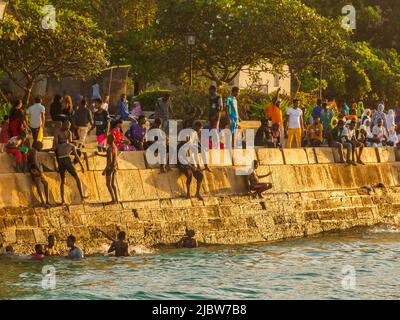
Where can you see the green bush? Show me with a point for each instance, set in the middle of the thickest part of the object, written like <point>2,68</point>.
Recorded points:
<point>5,110</point>
<point>148,98</point>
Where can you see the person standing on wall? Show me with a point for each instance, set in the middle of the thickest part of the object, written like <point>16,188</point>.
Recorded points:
<point>122,107</point>
<point>82,118</point>
<point>232,109</point>
<point>294,124</point>
<point>215,107</point>
<point>163,110</point>
<point>274,112</point>
<point>37,118</point>
<point>101,123</point>
<point>17,119</point>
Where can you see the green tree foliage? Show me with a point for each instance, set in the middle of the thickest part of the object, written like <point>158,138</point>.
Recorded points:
<point>75,48</point>
<point>233,34</point>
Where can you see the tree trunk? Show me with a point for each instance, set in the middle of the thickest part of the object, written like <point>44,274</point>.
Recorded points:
<point>28,93</point>
<point>297,84</point>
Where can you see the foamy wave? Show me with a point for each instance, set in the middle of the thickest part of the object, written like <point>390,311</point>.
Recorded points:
<point>140,249</point>
<point>386,229</point>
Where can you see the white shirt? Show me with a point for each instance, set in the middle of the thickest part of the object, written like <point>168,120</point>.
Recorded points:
<point>380,132</point>
<point>347,133</point>
<point>294,120</point>
<point>35,111</point>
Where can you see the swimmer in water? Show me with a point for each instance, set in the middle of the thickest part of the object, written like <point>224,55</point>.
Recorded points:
<point>51,248</point>
<point>38,255</point>
<point>9,251</point>
<point>120,246</point>
<point>188,241</point>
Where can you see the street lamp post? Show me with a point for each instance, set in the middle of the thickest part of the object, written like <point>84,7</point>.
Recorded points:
<point>3,6</point>
<point>191,41</point>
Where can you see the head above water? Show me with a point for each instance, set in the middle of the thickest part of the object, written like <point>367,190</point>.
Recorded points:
<point>39,249</point>
<point>121,236</point>
<point>51,240</point>
<point>71,241</point>
<point>190,233</point>
<point>9,249</point>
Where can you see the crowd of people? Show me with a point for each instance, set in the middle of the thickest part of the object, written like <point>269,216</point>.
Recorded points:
<point>332,125</point>
<point>346,128</point>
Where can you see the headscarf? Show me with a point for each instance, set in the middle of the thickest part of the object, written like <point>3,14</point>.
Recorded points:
<point>390,120</point>
<point>379,114</point>
<point>360,108</point>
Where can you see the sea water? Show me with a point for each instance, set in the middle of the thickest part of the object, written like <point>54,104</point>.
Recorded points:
<point>362,264</point>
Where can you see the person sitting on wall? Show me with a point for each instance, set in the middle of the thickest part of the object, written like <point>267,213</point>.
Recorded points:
<point>38,254</point>
<point>253,183</point>
<point>339,144</point>
<point>349,136</point>
<point>51,248</point>
<point>137,134</point>
<point>17,146</point>
<point>120,247</point>
<point>263,136</point>
<point>74,253</point>
<point>188,241</point>
<point>118,134</point>
<point>315,132</point>
<point>36,172</point>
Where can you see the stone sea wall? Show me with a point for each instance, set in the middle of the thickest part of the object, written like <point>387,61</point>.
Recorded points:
<point>312,194</point>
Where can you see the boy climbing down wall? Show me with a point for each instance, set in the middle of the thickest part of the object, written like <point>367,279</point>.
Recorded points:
<point>36,172</point>
<point>253,181</point>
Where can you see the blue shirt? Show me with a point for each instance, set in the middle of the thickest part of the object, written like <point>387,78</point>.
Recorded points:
<point>122,105</point>
<point>317,111</point>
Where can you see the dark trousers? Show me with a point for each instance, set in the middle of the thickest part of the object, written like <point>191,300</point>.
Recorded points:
<point>35,133</point>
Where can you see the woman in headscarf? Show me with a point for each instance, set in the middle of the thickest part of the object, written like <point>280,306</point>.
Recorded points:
<point>366,115</point>
<point>369,136</point>
<point>379,114</point>
<point>390,123</point>
<point>360,108</point>
<point>17,119</point>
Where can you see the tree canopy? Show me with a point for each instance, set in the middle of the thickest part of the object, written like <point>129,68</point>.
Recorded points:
<point>74,48</point>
